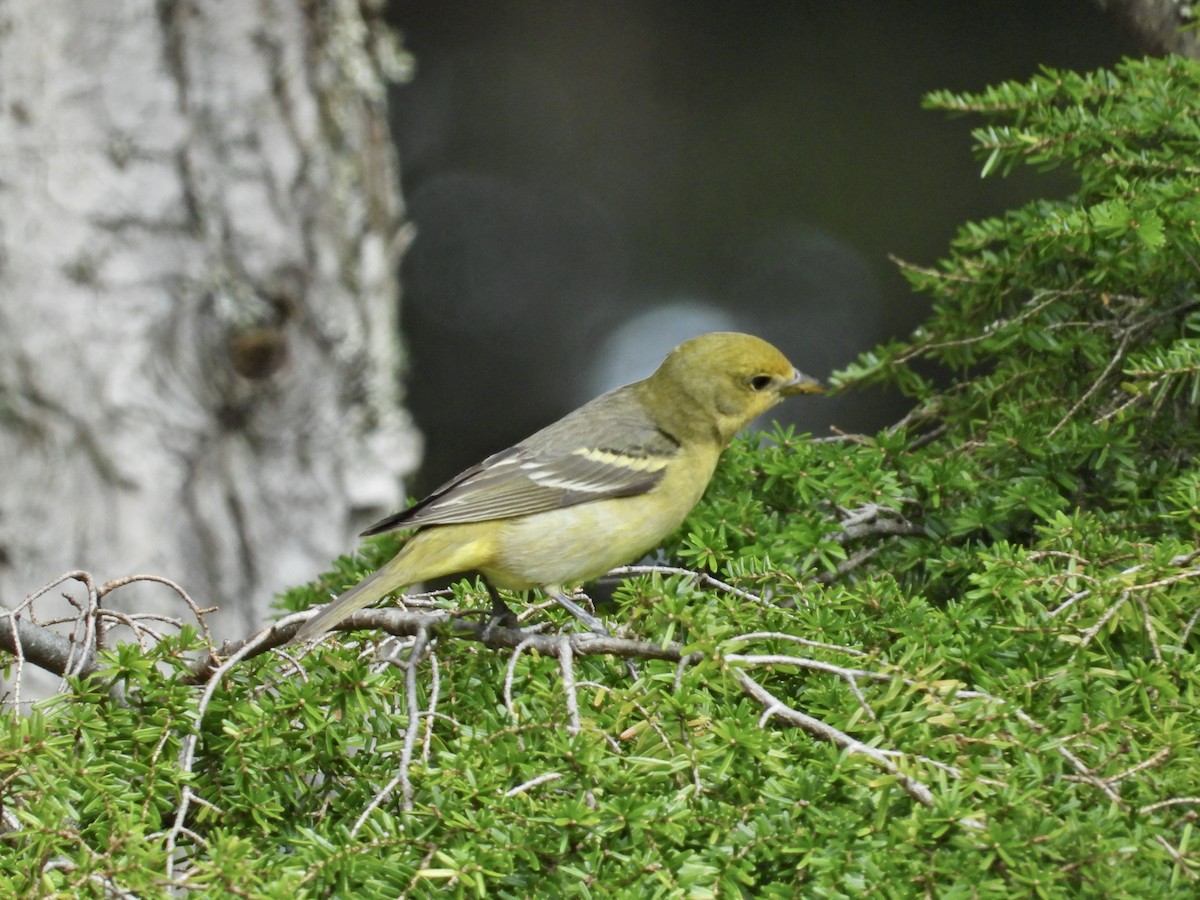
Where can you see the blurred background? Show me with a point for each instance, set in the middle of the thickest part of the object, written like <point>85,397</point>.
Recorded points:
<point>593,182</point>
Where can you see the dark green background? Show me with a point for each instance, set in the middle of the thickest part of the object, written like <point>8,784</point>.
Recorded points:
<point>593,181</point>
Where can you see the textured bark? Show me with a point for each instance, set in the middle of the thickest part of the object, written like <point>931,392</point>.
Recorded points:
<point>199,234</point>
<point>1159,24</point>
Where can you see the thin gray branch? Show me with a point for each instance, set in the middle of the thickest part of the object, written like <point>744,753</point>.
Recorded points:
<point>1161,25</point>
<point>777,709</point>
<point>405,623</point>
<point>41,646</point>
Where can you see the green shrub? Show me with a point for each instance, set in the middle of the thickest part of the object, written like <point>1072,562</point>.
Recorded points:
<point>990,608</point>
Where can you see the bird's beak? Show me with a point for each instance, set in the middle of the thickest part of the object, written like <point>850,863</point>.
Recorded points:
<point>802,384</point>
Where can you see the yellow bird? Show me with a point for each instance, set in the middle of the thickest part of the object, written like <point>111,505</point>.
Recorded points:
<point>596,489</point>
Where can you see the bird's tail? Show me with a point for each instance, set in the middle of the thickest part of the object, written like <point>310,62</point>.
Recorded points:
<point>362,594</point>
<point>432,553</point>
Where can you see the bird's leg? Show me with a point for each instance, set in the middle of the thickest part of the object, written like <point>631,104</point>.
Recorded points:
<point>501,614</point>
<point>578,611</point>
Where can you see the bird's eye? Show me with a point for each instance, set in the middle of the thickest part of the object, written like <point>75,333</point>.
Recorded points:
<point>760,382</point>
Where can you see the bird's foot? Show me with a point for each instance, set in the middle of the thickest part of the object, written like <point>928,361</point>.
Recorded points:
<point>500,616</point>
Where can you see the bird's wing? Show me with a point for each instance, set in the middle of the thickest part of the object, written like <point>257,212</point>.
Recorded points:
<point>572,461</point>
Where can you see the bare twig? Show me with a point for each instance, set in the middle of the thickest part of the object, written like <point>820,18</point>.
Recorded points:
<point>414,716</point>
<point>187,751</point>
<point>847,565</point>
<point>1170,801</point>
<point>1069,602</point>
<point>1033,306</point>
<point>532,783</point>
<point>198,612</point>
<point>782,711</point>
<point>407,623</point>
<point>1189,627</point>
<point>1089,633</point>
<point>1157,758</point>
<point>872,519</point>
<point>435,689</point>
<point>402,778</point>
<point>700,577</point>
<point>379,797</point>
<point>566,663</point>
<point>1148,624</point>
<point>1095,385</point>
<point>75,654</point>
<point>795,639</point>
<point>510,673</point>
<point>29,641</point>
<point>802,662</point>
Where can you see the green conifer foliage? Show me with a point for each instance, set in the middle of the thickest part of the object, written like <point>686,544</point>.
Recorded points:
<point>955,658</point>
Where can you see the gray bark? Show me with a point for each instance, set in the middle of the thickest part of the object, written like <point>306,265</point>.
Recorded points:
<point>1162,26</point>
<point>200,227</point>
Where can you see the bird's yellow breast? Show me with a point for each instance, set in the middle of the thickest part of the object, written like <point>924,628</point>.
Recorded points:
<point>581,542</point>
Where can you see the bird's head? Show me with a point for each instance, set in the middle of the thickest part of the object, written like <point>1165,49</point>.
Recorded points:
<point>724,380</point>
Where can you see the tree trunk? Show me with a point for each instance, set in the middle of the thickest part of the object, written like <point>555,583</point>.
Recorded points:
<point>200,227</point>
<point>1163,26</point>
